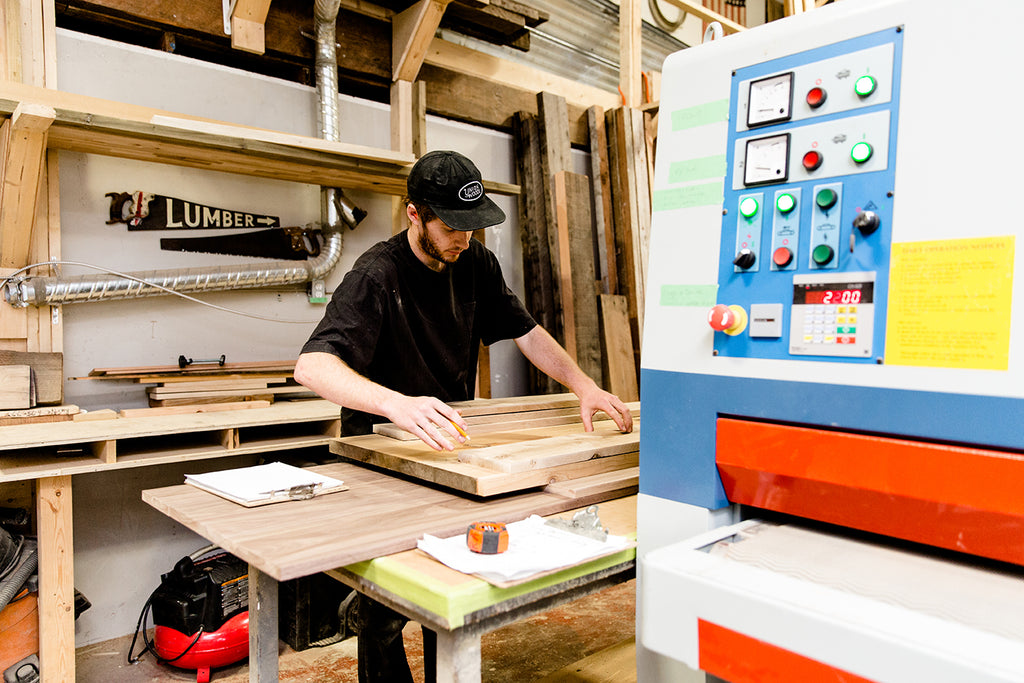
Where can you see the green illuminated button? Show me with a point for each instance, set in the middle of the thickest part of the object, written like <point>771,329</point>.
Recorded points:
<point>861,152</point>
<point>748,207</point>
<point>865,85</point>
<point>785,202</point>
<point>822,254</point>
<point>846,330</point>
<point>826,198</point>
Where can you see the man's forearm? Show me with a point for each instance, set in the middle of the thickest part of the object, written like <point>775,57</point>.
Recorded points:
<point>331,378</point>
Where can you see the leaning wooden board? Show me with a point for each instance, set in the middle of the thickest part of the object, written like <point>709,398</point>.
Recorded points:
<point>504,461</point>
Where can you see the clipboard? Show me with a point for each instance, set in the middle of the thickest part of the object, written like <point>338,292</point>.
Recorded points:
<point>274,482</point>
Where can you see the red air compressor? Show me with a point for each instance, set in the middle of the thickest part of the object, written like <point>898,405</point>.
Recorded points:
<point>201,613</point>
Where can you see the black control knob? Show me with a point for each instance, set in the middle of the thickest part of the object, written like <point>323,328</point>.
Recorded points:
<point>867,222</point>
<point>745,259</point>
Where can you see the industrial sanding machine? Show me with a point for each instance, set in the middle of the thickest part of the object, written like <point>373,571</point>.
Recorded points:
<point>832,375</point>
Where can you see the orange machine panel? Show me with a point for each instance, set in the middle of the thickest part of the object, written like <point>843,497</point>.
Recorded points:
<point>760,662</point>
<point>965,499</point>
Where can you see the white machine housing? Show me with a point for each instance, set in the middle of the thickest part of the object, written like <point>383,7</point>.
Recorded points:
<point>843,182</point>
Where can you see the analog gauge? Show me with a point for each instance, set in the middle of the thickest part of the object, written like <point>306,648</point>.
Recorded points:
<point>766,160</point>
<point>771,100</point>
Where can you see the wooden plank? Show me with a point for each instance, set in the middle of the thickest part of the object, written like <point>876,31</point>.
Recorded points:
<point>533,229</point>
<point>602,197</point>
<point>48,369</point>
<point>618,482</point>
<point>620,371</point>
<point>227,368</point>
<point>416,459</point>
<point>474,63</point>
<point>551,452</point>
<point>615,664</point>
<point>193,408</point>
<point>15,387</point>
<point>554,157</point>
<point>173,393</point>
<point>577,274</point>
<point>514,404</point>
<point>23,172</point>
<point>412,32</point>
<point>215,384</point>
<point>490,425</point>
<point>56,578</point>
<point>630,67</point>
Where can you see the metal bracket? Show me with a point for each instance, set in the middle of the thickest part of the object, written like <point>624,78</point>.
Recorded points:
<point>585,523</point>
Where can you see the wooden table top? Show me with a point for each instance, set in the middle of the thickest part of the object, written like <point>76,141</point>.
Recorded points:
<point>379,515</point>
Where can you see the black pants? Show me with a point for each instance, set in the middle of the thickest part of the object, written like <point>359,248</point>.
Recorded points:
<point>380,647</point>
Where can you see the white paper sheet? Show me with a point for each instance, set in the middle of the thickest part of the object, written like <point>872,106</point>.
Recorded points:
<point>261,482</point>
<point>533,547</point>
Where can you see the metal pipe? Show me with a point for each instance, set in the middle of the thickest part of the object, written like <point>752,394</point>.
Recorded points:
<point>336,211</point>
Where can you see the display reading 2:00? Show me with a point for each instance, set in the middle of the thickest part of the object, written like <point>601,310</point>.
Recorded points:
<point>833,296</point>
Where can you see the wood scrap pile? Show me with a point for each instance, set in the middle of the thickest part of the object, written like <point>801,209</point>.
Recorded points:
<point>32,388</point>
<point>585,237</point>
<point>515,443</point>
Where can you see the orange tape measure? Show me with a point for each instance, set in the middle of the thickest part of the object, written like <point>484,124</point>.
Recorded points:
<point>489,538</point>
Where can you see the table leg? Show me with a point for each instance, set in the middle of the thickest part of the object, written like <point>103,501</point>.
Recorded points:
<point>458,656</point>
<point>263,636</point>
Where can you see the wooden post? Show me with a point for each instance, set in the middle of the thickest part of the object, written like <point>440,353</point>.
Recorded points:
<point>247,20</point>
<point>23,163</point>
<point>629,53</point>
<point>56,579</point>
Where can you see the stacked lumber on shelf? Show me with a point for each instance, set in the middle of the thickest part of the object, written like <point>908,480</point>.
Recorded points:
<point>585,239</point>
<point>32,388</point>
<point>208,387</point>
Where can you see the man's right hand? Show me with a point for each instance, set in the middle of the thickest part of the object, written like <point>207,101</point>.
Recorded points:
<point>429,419</point>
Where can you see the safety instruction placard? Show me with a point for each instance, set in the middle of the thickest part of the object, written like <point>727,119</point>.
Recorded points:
<point>950,303</point>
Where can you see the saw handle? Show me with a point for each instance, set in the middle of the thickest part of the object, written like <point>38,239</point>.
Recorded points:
<point>304,240</point>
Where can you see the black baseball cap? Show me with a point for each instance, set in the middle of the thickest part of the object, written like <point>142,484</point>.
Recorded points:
<point>450,184</point>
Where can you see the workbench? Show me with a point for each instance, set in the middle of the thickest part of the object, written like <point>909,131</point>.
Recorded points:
<point>380,515</point>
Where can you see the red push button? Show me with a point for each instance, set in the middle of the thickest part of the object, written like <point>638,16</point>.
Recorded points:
<point>812,160</point>
<point>782,257</point>
<point>729,319</point>
<point>816,97</point>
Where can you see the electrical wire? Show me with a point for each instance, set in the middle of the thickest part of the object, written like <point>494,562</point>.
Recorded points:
<point>13,276</point>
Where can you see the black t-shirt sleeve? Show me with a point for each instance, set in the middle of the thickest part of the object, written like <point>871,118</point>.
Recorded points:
<point>501,313</point>
<point>352,322</point>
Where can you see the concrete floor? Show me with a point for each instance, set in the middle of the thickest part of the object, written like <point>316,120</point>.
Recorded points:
<point>524,651</point>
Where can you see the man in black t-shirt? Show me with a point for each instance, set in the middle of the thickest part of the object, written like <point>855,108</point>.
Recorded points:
<point>400,336</point>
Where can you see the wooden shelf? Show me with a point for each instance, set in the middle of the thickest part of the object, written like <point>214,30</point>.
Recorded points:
<point>64,448</point>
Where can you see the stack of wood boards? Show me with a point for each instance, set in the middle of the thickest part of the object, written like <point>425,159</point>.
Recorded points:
<point>209,386</point>
<point>515,444</point>
<point>32,388</point>
<point>585,238</point>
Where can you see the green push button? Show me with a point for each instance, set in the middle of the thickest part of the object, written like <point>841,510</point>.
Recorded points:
<point>861,152</point>
<point>785,202</point>
<point>865,85</point>
<point>748,207</point>
<point>826,198</point>
<point>822,254</point>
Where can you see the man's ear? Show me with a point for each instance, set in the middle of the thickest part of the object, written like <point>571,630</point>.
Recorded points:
<point>411,212</point>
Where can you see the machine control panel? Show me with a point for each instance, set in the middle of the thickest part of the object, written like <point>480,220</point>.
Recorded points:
<point>806,227</point>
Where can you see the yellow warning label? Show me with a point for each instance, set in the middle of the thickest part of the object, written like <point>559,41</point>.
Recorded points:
<point>950,303</point>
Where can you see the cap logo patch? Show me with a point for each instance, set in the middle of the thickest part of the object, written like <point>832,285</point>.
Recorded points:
<point>470,192</point>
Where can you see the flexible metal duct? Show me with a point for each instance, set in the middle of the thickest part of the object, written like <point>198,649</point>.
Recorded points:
<point>335,210</point>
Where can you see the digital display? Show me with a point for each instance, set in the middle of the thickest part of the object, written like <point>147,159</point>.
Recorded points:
<point>833,293</point>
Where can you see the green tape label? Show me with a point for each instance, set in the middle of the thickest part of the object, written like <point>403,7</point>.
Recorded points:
<point>706,194</point>
<point>688,295</point>
<point>700,115</point>
<point>696,169</point>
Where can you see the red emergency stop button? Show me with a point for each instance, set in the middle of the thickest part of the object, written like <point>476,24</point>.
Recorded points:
<point>782,257</point>
<point>816,97</point>
<point>729,319</point>
<point>812,160</point>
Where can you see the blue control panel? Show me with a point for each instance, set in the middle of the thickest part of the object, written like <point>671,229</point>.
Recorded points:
<point>807,219</point>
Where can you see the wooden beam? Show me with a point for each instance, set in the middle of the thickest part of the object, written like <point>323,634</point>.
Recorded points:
<point>247,20</point>
<point>23,170</point>
<point>699,10</point>
<point>630,68</point>
<point>411,34</point>
<point>494,69</point>
<point>56,579</point>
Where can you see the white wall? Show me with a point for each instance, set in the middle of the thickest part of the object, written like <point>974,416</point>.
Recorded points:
<point>121,545</point>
